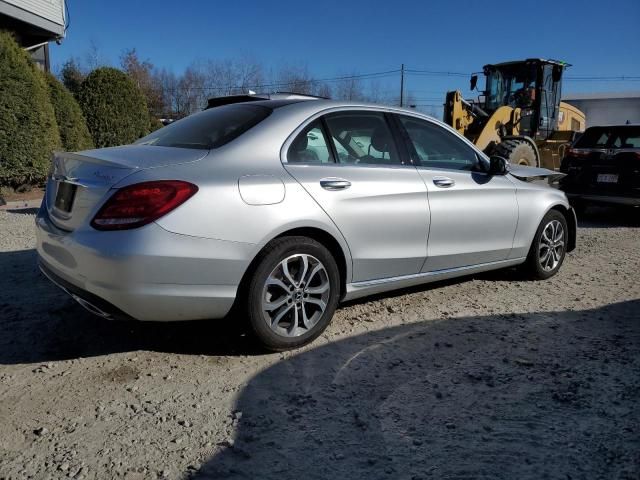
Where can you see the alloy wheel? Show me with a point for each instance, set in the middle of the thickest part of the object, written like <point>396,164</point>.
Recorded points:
<point>295,295</point>
<point>551,246</point>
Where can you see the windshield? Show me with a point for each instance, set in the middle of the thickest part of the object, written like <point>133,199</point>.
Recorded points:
<point>512,85</point>
<point>610,137</point>
<point>208,129</point>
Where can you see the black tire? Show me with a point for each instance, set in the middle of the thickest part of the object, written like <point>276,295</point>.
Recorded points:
<point>517,152</point>
<point>269,260</point>
<point>534,267</point>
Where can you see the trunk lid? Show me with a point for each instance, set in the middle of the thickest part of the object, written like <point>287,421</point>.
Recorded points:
<point>614,171</point>
<point>79,182</point>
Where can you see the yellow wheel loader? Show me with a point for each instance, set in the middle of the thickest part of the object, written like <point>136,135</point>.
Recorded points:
<point>519,115</point>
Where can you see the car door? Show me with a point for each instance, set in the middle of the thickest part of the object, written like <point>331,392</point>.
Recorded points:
<point>473,215</point>
<point>352,166</point>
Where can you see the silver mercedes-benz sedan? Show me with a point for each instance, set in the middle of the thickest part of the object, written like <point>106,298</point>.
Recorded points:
<point>282,208</point>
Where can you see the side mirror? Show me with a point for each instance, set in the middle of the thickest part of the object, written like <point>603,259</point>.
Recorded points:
<point>474,82</point>
<point>498,165</point>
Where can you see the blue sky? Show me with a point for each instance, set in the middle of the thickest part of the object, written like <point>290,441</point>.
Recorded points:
<point>343,37</point>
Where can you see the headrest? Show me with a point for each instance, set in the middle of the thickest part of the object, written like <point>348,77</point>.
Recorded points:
<point>300,143</point>
<point>380,138</point>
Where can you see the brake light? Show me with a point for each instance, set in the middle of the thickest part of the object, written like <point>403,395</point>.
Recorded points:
<point>142,203</point>
<point>577,152</point>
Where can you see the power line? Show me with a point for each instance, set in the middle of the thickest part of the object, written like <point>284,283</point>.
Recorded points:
<point>586,78</point>
<point>298,82</point>
<point>619,78</point>
<point>436,73</point>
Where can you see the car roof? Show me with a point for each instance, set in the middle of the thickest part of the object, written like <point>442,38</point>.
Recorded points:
<point>310,102</point>
<point>323,104</point>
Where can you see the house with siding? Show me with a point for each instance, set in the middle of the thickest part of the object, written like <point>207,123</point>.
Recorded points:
<point>35,23</point>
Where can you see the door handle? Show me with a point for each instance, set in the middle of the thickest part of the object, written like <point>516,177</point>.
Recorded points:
<point>335,183</point>
<point>443,182</point>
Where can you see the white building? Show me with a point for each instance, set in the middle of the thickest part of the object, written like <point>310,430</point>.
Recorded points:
<point>34,23</point>
<point>607,108</point>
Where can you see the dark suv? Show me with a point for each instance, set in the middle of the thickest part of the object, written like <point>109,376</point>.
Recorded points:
<point>603,166</point>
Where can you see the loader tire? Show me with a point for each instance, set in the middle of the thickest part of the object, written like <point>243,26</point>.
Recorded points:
<point>517,152</point>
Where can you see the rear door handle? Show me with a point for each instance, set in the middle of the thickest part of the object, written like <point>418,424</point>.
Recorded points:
<point>443,182</point>
<point>335,183</point>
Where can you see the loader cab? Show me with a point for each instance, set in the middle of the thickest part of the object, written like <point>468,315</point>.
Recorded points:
<point>533,86</point>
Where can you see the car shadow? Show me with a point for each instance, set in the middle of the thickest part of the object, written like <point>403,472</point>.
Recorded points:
<point>527,396</point>
<point>530,396</point>
<point>23,211</point>
<point>40,323</point>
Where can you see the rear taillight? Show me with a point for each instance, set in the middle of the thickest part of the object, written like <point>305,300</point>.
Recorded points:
<point>578,152</point>
<point>142,203</point>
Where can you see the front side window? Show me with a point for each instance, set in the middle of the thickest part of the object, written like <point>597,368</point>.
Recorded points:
<point>435,147</point>
<point>362,138</point>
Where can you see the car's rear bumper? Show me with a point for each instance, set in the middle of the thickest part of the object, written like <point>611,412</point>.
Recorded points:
<point>605,199</point>
<point>146,273</point>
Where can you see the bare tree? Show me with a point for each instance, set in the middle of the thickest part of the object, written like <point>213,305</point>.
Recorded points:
<point>191,91</point>
<point>169,91</point>
<point>323,90</point>
<point>232,77</point>
<point>249,73</point>
<point>350,88</point>
<point>295,79</point>
<point>93,57</point>
<point>141,72</point>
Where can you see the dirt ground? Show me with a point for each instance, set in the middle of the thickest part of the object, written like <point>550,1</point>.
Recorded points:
<point>488,377</point>
<point>12,196</point>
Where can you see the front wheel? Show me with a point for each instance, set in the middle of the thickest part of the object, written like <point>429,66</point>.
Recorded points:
<point>293,293</point>
<point>549,247</point>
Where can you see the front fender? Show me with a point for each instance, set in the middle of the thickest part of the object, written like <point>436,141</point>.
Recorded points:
<point>534,201</point>
<point>572,223</point>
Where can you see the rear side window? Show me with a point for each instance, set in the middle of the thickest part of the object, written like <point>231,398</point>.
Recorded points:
<point>438,148</point>
<point>610,137</point>
<point>363,138</point>
<point>212,128</point>
<point>310,146</point>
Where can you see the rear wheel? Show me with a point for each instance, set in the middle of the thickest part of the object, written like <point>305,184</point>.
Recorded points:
<point>549,247</point>
<point>293,293</point>
<point>517,152</point>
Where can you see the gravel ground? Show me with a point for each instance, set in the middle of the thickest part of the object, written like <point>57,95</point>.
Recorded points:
<point>484,377</point>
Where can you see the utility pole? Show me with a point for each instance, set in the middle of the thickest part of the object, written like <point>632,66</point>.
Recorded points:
<point>402,86</point>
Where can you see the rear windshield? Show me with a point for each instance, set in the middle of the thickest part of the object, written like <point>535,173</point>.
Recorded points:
<point>209,129</point>
<point>610,137</point>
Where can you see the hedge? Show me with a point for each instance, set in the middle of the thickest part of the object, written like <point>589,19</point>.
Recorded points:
<point>74,134</point>
<point>154,123</point>
<point>28,129</point>
<point>114,108</point>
